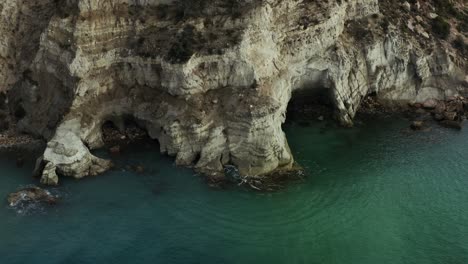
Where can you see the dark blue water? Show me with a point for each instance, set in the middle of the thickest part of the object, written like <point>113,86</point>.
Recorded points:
<point>378,193</point>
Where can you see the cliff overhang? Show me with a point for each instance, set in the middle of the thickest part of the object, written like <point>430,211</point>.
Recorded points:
<point>211,82</point>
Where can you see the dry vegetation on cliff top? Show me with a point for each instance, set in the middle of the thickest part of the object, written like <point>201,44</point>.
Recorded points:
<point>446,20</point>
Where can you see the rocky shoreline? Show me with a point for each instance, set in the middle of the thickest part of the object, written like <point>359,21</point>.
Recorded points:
<point>118,141</point>
<point>19,146</point>
<point>449,113</point>
<point>11,142</point>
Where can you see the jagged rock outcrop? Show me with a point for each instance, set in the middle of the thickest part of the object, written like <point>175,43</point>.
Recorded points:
<point>31,199</point>
<point>210,80</point>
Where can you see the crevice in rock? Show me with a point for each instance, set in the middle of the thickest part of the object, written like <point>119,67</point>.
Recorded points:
<point>197,158</point>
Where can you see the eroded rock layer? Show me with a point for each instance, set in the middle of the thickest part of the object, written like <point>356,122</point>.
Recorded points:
<point>210,80</point>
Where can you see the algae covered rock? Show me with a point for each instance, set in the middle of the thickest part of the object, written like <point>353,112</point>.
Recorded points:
<point>31,199</point>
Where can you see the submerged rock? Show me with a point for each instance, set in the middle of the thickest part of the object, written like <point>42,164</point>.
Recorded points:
<point>272,182</point>
<point>417,125</point>
<point>139,169</point>
<point>451,124</point>
<point>115,150</point>
<point>30,197</point>
<point>19,162</point>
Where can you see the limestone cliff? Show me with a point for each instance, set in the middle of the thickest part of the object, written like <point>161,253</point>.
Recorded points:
<point>211,80</point>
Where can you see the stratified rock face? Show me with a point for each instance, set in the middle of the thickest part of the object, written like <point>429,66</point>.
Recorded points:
<point>210,80</point>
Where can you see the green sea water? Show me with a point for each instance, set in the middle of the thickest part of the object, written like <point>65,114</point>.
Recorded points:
<point>374,194</point>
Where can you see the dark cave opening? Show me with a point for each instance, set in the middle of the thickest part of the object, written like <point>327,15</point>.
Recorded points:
<point>123,129</point>
<point>19,112</point>
<point>310,104</point>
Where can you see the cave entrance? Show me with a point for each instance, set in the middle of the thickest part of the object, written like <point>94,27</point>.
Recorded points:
<point>130,146</point>
<point>310,104</point>
<point>312,98</point>
<point>117,130</point>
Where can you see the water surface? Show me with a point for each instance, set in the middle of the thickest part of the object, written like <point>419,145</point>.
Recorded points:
<point>378,193</point>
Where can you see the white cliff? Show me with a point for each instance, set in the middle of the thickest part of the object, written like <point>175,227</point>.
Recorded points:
<point>211,84</point>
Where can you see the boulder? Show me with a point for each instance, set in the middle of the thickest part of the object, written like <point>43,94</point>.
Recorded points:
<point>440,108</point>
<point>455,106</point>
<point>420,30</point>
<point>439,117</point>
<point>450,115</point>
<point>451,124</point>
<point>451,98</point>
<point>430,104</point>
<point>417,125</point>
<point>31,195</point>
<point>410,25</point>
<point>139,169</point>
<point>418,5</point>
<point>115,150</point>
<point>407,6</point>
<point>420,111</point>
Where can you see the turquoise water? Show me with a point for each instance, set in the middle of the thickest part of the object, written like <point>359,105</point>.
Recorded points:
<point>375,194</point>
